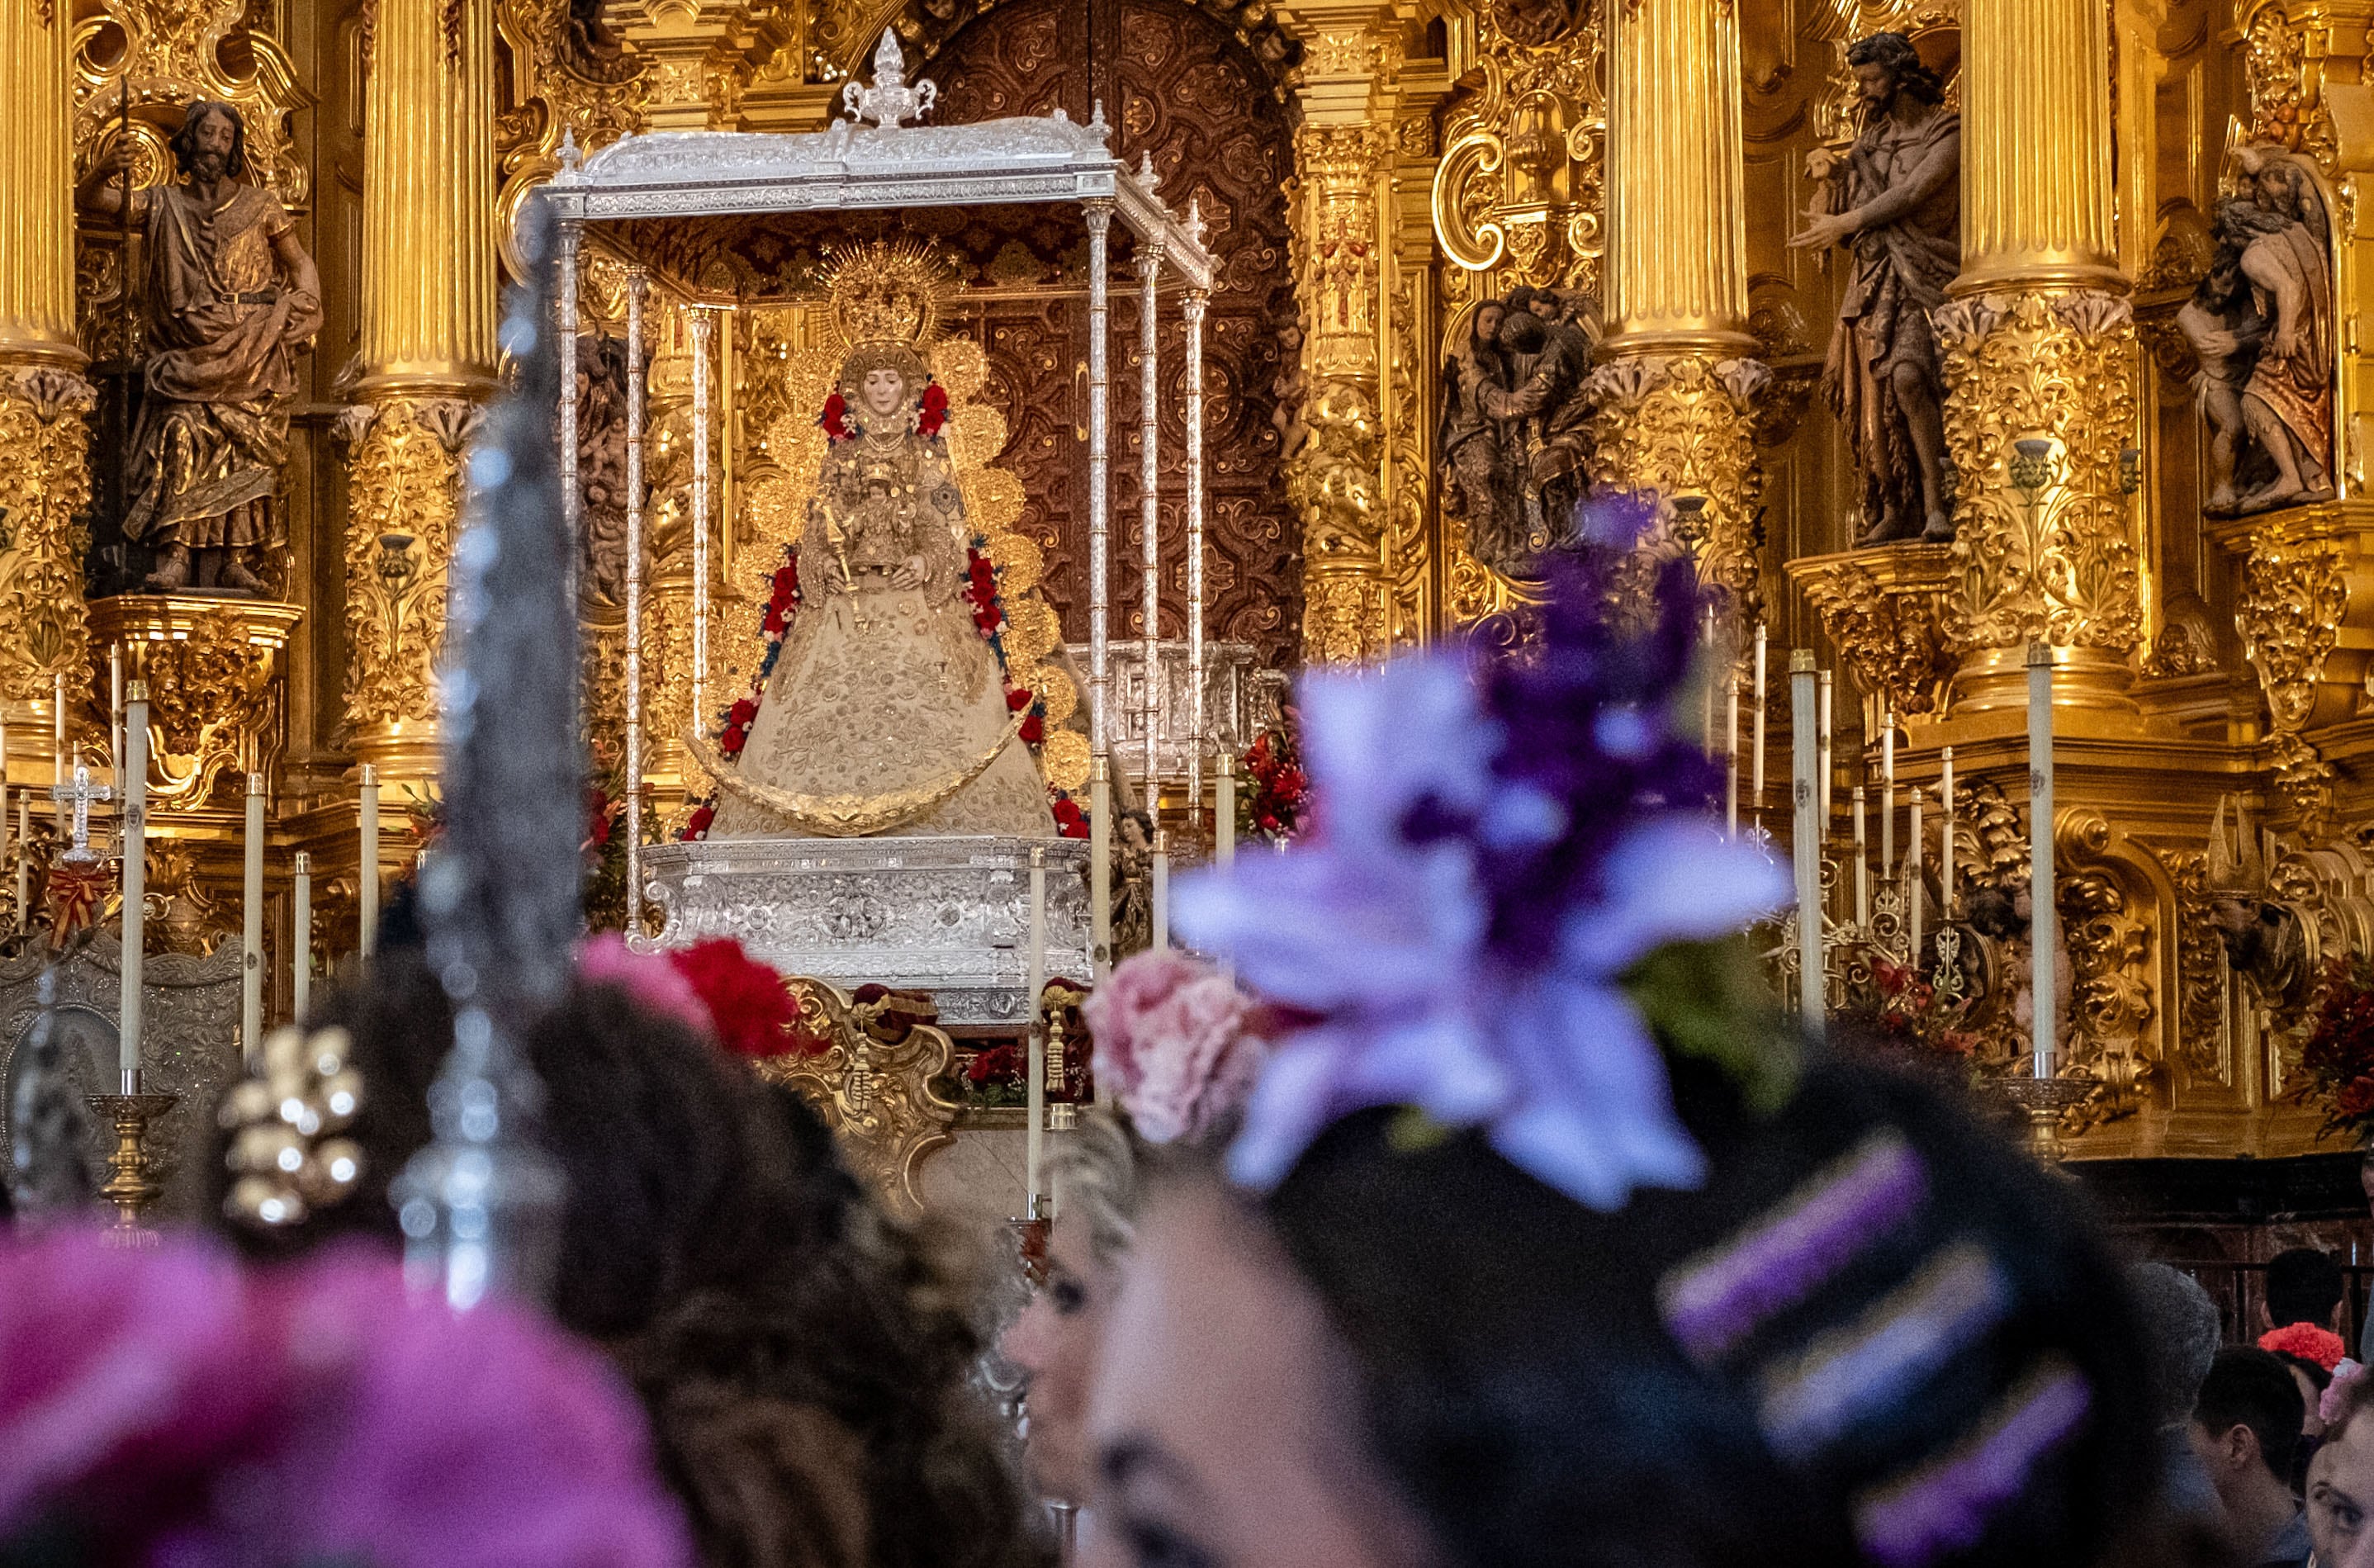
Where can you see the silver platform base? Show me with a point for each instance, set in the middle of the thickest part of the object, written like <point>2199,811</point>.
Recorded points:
<point>949,916</point>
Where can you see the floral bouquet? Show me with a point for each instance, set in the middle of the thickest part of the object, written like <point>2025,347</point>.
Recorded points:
<point>2337,1060</point>
<point>167,1407</point>
<point>1903,1014</point>
<point>1272,808</point>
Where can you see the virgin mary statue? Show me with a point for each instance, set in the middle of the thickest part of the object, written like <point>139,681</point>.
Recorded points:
<point>886,712</point>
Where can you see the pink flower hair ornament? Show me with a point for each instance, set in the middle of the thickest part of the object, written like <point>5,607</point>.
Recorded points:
<point>604,959</point>
<point>1178,1044</point>
<point>2334,1403</point>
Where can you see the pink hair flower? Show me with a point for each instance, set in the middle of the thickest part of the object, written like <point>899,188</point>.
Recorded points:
<point>1175,1040</point>
<point>2334,1403</point>
<point>604,959</point>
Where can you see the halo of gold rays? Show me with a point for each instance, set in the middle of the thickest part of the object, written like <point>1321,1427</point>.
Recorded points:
<point>896,290</point>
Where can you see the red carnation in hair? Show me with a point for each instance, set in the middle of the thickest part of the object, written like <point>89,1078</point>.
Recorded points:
<point>935,409</point>
<point>752,1009</point>
<point>2306,1341</point>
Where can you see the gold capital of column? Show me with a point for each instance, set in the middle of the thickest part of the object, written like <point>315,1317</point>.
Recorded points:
<point>428,352</point>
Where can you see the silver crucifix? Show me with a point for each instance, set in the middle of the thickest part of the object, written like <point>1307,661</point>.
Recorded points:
<point>82,792</point>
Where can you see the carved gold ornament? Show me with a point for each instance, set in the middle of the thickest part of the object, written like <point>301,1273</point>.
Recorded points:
<point>44,485</point>
<point>880,1098</point>
<point>213,671</point>
<point>1885,610</point>
<point>847,816</point>
<point>2041,397</point>
<point>405,483</point>
<point>1684,424</point>
<point>2291,605</point>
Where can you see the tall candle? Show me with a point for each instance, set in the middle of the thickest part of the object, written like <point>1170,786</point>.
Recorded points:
<point>58,751</point>
<point>303,995</point>
<point>1160,877</point>
<point>1707,726</point>
<point>4,814</point>
<point>250,933</point>
<point>1035,1047</point>
<point>1822,758</point>
<point>1755,779</point>
<point>1862,867</point>
<point>1887,792</point>
<point>135,886</point>
<point>1730,756</point>
<point>1809,845</point>
<point>366,879</point>
<point>2043,921</point>
<point>1946,839</point>
<point>1224,812</point>
<point>1912,889</point>
<point>24,861</point>
<point>115,708</point>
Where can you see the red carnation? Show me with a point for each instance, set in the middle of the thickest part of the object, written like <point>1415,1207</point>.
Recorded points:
<point>2306,1341</point>
<point>598,820</point>
<point>2356,1097</point>
<point>835,418</point>
<point>732,741</point>
<point>935,409</point>
<point>773,621</point>
<point>1018,699</point>
<point>754,1012</point>
<point>742,712</point>
<point>697,824</point>
<point>984,576</point>
<point>787,580</point>
<point>1033,731</point>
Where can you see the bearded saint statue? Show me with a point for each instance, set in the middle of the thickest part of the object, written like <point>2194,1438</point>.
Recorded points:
<point>886,710</point>
<point>232,300</point>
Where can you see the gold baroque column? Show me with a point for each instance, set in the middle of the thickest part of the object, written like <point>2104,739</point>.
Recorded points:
<point>428,356</point>
<point>2039,352</point>
<point>43,399</point>
<point>1673,405</point>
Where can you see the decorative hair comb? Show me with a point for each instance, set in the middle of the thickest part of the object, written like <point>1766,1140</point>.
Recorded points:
<point>1177,1043</point>
<point>284,1119</point>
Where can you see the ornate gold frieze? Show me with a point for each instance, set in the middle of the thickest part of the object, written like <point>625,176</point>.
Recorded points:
<point>2041,399</point>
<point>1521,182</point>
<point>44,485</point>
<point>213,668</point>
<point>2289,50</point>
<point>1885,610</point>
<point>404,489</point>
<point>1683,425</point>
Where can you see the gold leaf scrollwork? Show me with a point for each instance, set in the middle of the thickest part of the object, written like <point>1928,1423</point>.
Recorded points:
<point>2109,962</point>
<point>881,1096</point>
<point>2041,392</point>
<point>44,485</point>
<point>211,667</point>
<point>1684,424</point>
<point>1885,611</point>
<point>404,484</point>
<point>2293,595</point>
<point>2201,971</point>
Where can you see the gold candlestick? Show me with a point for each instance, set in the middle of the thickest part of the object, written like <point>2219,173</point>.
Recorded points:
<point>128,1186</point>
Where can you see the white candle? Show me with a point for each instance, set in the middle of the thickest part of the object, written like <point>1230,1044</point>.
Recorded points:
<point>1755,779</point>
<point>250,934</point>
<point>1946,839</point>
<point>24,861</point>
<point>1862,867</point>
<point>303,993</point>
<point>1706,642</point>
<point>1161,878</point>
<point>366,879</point>
<point>1223,813</point>
<point>2043,922</point>
<point>58,751</point>
<point>1807,847</point>
<point>1730,756</point>
<point>1887,792</point>
<point>1822,758</point>
<point>1035,1047</point>
<point>1912,889</point>
<point>115,708</point>
<point>4,814</point>
<point>135,884</point>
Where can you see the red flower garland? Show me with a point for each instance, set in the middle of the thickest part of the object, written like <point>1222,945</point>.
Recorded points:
<point>835,419</point>
<point>754,1012</point>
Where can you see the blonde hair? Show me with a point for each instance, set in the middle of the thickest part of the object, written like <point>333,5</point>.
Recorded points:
<point>1097,1173</point>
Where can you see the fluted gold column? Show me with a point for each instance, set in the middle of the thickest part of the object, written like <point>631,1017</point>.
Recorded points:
<point>1343,153</point>
<point>1672,401</point>
<point>427,323</point>
<point>43,399</point>
<point>2040,349</point>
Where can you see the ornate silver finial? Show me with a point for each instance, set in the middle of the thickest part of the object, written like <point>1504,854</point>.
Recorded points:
<point>1195,217</point>
<point>572,159</point>
<point>890,102</point>
<point>1096,122</point>
<point>1146,177</point>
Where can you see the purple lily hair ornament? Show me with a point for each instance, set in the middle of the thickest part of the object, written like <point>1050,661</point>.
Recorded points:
<point>1502,840</point>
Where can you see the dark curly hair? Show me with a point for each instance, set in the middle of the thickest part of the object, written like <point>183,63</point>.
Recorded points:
<point>1525,1391</point>
<point>186,140</point>
<point>804,1357</point>
<point>1894,51</point>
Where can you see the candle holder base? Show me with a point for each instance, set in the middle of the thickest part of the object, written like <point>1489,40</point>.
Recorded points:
<point>2044,1103</point>
<point>128,1186</point>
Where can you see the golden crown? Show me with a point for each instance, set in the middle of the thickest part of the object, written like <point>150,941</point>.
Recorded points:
<point>888,291</point>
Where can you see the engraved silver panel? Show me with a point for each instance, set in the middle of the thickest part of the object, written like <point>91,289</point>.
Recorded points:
<point>1236,702</point>
<point>950,916</point>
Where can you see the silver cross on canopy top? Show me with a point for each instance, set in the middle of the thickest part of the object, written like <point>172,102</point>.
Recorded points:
<point>890,102</point>
<point>82,792</point>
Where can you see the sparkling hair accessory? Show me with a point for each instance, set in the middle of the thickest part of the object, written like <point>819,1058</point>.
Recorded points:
<point>1505,839</point>
<point>1720,1298</point>
<point>1946,1505</point>
<point>1813,1397</point>
<point>1176,1043</point>
<point>2334,1403</point>
<point>287,1156</point>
